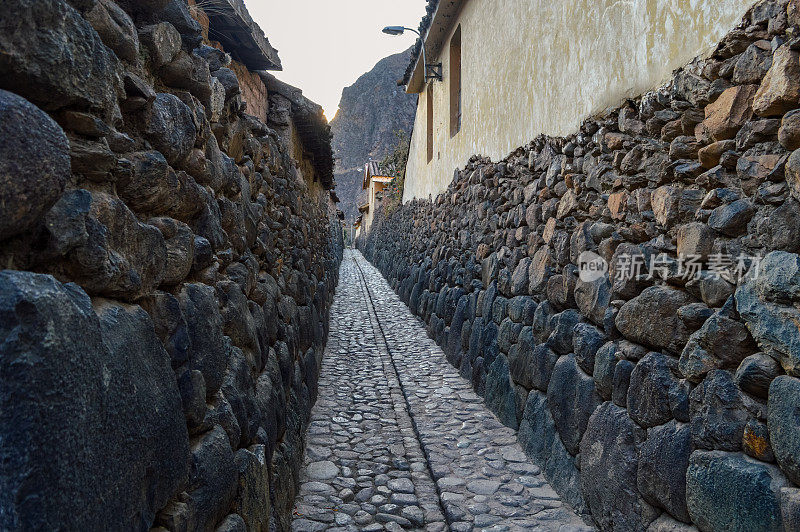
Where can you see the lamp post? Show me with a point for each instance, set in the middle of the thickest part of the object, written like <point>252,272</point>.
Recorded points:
<point>399,30</point>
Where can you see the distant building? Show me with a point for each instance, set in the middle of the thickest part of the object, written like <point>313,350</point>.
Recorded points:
<point>357,227</point>
<point>512,70</point>
<point>374,183</point>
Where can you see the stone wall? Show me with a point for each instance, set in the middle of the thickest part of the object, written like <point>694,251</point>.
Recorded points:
<point>167,278</point>
<point>650,398</point>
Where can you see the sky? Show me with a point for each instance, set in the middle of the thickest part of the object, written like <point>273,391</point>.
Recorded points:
<point>325,45</point>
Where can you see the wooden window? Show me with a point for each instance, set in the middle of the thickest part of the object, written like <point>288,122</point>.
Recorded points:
<point>429,105</point>
<point>455,82</point>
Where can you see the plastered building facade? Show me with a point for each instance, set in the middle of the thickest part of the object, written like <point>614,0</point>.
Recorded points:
<point>523,68</point>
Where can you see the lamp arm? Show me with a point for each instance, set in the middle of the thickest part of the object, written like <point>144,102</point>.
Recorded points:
<point>424,59</point>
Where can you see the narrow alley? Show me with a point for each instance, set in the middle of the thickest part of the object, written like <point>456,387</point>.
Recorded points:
<point>393,417</point>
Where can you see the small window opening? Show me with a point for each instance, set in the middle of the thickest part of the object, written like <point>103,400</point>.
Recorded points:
<point>429,105</point>
<point>455,82</point>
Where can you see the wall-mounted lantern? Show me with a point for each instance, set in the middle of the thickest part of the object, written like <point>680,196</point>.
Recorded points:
<point>433,71</point>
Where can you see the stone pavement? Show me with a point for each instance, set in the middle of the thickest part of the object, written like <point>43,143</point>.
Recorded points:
<point>398,440</point>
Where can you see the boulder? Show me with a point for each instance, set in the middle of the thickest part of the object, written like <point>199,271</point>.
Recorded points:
<point>605,361</point>
<point>66,222</point>
<point>170,127</point>
<point>729,491</point>
<point>756,373</point>
<point>177,13</point>
<point>757,132</point>
<point>91,159</point>
<point>539,439</point>
<point>55,59</point>
<point>531,365</point>
<point>572,399</point>
<point>732,219</point>
<point>730,111</point>
<point>189,71</point>
<point>215,57</point>
<point>34,166</point>
<point>651,318</point>
<point>212,486</point>
<point>170,326</point>
<point>721,342</point>
<point>792,172</point>
<point>652,383</point>
<point>683,147</point>
<point>163,42</point>
<point>593,298</point>
<point>772,324</point>
<point>717,413</point>
<point>519,279</point>
<point>784,424</point>
<point>540,270</point>
<point>117,255</point>
<point>238,323</point>
<point>710,155</point>
<point>755,441</point>
<point>789,132</point>
<point>695,238</point>
<point>209,352</point>
<point>521,309</point>
<point>116,29</point>
<point>179,240</point>
<point>586,340</point>
<point>780,89</point>
<point>560,290</point>
<point>234,523</point>
<point>609,465</point>
<point>563,323</point>
<point>665,523</point>
<point>68,377</point>
<point>500,394</point>
<point>790,508</point>
<point>753,63</point>
<point>673,204</point>
<point>663,461</point>
<point>621,382</point>
<point>229,82</point>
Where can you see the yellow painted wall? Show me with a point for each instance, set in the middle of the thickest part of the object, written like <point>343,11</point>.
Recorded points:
<point>542,66</point>
<point>374,188</point>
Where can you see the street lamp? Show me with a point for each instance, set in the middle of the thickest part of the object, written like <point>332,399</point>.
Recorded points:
<point>436,70</point>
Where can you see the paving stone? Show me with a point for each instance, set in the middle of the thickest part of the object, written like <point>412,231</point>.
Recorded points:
<point>391,410</point>
<point>324,470</point>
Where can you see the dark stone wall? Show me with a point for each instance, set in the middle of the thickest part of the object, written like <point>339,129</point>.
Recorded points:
<point>656,398</point>
<point>166,283</point>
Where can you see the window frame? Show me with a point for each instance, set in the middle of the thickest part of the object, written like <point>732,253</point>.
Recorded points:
<point>455,82</point>
<point>429,122</point>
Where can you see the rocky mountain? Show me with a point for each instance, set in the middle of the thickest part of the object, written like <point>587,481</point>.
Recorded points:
<point>371,111</point>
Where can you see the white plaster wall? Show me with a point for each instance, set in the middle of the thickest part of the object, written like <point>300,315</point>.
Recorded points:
<point>542,66</point>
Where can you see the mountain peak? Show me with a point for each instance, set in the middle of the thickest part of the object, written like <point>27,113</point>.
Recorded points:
<point>370,113</point>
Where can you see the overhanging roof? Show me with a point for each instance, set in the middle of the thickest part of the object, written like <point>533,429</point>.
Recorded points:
<point>372,170</point>
<point>435,27</point>
<point>232,25</point>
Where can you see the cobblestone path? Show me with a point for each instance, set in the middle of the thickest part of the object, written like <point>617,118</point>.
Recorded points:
<point>398,440</point>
